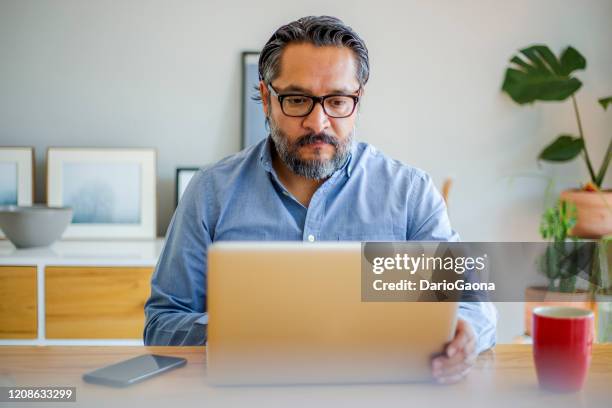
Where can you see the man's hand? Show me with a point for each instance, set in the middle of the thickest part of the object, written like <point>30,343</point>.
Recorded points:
<point>459,355</point>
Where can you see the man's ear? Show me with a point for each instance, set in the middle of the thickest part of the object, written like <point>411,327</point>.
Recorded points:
<point>264,93</point>
<point>361,93</point>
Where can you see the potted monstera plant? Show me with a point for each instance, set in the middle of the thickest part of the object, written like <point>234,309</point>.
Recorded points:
<point>536,74</point>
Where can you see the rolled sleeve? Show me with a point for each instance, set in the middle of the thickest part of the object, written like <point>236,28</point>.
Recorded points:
<point>482,316</point>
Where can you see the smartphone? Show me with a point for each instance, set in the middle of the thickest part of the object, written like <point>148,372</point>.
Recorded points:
<point>134,370</point>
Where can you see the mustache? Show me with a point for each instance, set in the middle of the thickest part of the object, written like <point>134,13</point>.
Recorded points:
<point>315,138</point>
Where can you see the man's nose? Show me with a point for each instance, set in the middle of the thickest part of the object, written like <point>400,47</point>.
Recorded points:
<point>317,120</point>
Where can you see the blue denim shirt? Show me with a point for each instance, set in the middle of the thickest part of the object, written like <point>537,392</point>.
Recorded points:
<point>371,198</point>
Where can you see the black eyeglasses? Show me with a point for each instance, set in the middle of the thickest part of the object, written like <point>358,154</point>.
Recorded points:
<point>300,105</point>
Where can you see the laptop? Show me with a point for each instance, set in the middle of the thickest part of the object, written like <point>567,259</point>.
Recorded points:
<point>291,313</point>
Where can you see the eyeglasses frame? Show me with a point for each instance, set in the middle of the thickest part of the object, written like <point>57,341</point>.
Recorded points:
<point>315,100</point>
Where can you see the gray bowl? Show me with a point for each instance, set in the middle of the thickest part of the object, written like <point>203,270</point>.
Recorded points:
<point>34,226</point>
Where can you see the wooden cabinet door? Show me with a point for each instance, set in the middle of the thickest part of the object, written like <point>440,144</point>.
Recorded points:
<point>96,302</point>
<point>18,304</point>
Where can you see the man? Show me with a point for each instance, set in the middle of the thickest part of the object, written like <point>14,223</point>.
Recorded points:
<point>308,181</point>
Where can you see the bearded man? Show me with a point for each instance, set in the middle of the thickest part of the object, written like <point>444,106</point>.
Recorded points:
<point>308,181</point>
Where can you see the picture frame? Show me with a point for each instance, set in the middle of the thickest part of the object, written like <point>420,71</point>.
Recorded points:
<point>112,191</point>
<point>253,119</point>
<point>16,177</point>
<point>183,177</point>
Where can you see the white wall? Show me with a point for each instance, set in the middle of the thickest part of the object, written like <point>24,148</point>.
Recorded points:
<point>167,74</point>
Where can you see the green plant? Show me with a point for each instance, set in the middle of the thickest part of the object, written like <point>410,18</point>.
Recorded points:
<point>561,262</point>
<point>536,74</point>
<point>557,221</point>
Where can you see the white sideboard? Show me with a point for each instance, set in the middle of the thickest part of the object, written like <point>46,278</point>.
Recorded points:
<point>75,292</point>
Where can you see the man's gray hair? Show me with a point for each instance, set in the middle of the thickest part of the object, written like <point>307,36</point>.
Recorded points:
<point>316,30</point>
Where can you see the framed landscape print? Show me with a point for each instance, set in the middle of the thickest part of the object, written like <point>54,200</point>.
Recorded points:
<point>16,176</point>
<point>253,118</point>
<point>112,191</point>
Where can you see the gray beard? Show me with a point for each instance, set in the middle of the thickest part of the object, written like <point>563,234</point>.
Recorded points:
<point>316,169</point>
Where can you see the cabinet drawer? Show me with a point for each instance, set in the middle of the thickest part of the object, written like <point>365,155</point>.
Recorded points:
<point>18,304</point>
<point>96,302</point>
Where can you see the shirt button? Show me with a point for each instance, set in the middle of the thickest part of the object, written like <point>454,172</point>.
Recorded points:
<point>311,238</point>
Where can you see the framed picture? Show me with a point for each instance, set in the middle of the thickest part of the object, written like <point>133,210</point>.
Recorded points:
<point>16,176</point>
<point>112,191</point>
<point>253,118</point>
<point>183,177</point>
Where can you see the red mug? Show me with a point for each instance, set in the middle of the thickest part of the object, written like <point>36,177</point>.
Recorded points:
<point>562,342</point>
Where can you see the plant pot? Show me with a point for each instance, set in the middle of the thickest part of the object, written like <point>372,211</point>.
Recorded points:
<point>604,318</point>
<point>536,296</point>
<point>594,210</point>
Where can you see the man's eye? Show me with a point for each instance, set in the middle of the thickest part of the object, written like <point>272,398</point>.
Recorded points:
<point>296,100</point>
<point>338,102</point>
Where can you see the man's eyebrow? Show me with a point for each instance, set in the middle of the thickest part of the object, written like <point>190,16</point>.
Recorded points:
<point>297,88</point>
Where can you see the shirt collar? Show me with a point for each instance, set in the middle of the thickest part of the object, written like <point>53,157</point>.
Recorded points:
<point>265,154</point>
<point>265,157</point>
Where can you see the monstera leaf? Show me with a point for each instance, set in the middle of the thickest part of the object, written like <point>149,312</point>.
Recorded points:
<point>565,148</point>
<point>536,74</point>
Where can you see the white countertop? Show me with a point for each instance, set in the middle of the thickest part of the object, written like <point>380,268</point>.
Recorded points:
<point>84,253</point>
